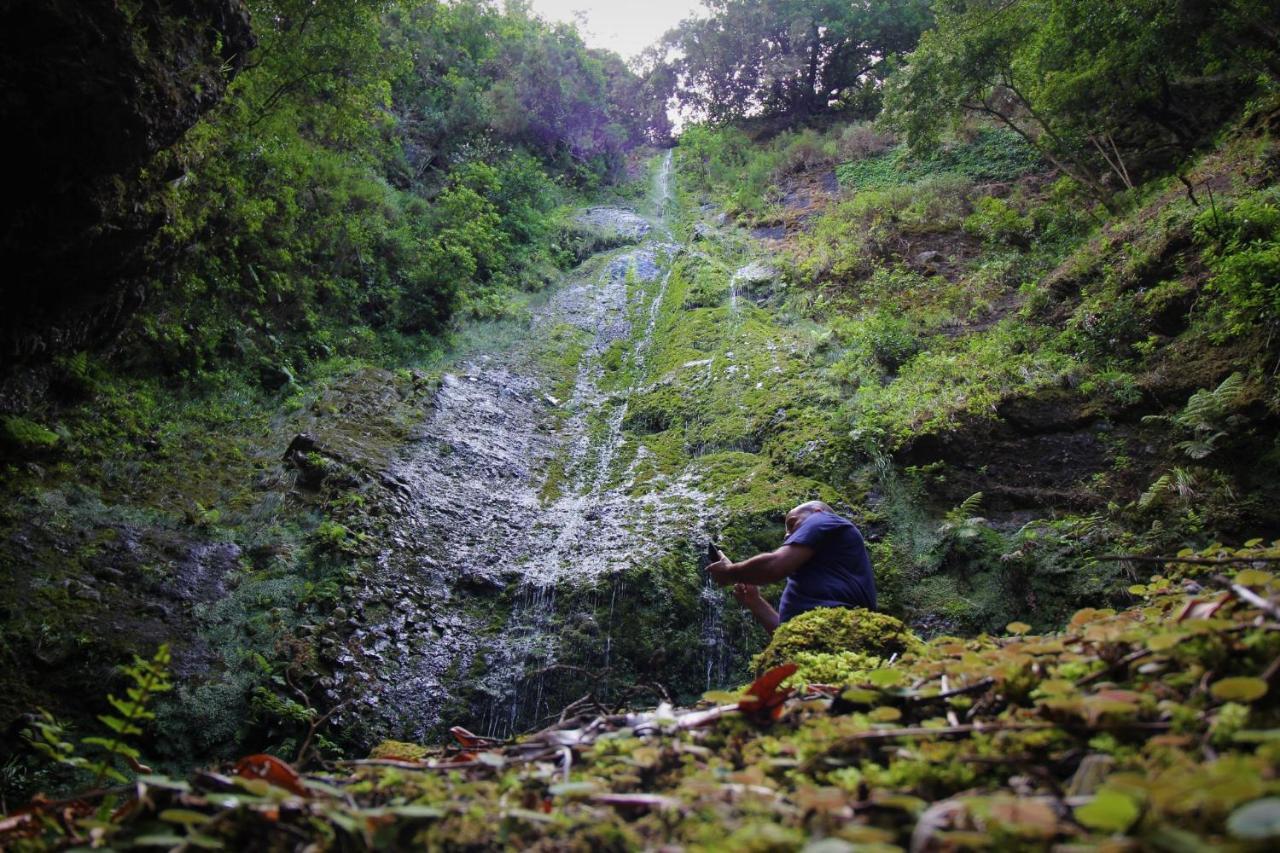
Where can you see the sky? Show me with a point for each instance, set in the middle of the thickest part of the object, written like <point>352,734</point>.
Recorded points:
<point>624,26</point>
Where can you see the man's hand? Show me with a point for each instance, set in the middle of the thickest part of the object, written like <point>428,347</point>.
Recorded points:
<point>747,594</point>
<point>721,571</point>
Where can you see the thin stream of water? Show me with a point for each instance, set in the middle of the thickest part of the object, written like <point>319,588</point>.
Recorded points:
<point>477,526</point>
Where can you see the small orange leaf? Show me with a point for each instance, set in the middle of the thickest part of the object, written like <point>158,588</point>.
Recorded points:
<point>763,702</point>
<point>272,770</point>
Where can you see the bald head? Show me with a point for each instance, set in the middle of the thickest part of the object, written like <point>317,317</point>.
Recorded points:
<point>797,516</point>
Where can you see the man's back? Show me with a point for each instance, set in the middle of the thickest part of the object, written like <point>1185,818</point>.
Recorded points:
<point>837,575</point>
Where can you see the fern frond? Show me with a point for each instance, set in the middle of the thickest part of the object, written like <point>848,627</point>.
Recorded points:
<point>1231,389</point>
<point>1156,492</point>
<point>1184,482</point>
<point>967,508</point>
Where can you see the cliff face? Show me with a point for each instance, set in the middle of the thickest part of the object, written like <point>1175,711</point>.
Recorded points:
<point>92,91</point>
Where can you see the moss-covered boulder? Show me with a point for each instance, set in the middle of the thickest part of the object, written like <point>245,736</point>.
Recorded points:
<point>828,641</point>
<point>398,749</point>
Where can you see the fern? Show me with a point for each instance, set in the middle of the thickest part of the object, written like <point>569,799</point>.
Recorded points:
<point>1157,492</point>
<point>967,509</point>
<point>963,521</point>
<point>1207,416</point>
<point>150,678</point>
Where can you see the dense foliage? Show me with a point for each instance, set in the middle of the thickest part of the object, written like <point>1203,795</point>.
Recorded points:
<point>1023,328</point>
<point>1107,91</point>
<point>380,166</point>
<point>789,57</point>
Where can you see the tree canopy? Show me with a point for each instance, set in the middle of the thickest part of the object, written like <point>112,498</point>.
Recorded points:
<point>794,57</point>
<point>1100,87</point>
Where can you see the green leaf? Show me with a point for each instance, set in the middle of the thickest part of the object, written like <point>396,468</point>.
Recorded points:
<point>205,842</point>
<point>1164,641</point>
<point>1253,577</point>
<point>885,677</point>
<point>1109,811</point>
<point>187,817</point>
<point>1240,689</point>
<point>1018,628</point>
<point>417,811</point>
<point>158,840</point>
<point>1256,821</point>
<point>860,696</point>
<point>1257,736</point>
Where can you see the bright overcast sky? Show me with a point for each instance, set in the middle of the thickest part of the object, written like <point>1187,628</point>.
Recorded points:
<point>624,26</point>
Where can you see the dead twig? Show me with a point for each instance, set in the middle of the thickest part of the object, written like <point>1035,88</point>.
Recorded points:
<point>1247,595</point>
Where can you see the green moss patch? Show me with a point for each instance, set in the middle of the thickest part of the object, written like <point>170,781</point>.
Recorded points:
<point>849,635</point>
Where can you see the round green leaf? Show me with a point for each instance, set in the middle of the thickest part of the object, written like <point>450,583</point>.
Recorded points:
<point>885,677</point>
<point>1017,628</point>
<point>1165,641</point>
<point>1109,811</point>
<point>1242,689</point>
<point>885,715</point>
<point>1256,821</point>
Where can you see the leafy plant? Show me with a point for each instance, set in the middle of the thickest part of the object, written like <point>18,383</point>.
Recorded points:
<point>149,679</point>
<point>1209,416</point>
<point>994,220</point>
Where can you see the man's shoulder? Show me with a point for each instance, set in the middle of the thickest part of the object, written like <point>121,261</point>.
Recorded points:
<point>829,521</point>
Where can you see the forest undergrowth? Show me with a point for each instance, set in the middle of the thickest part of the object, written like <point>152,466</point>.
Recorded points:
<point>1152,727</point>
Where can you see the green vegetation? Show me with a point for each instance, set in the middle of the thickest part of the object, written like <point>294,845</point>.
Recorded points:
<point>787,57</point>
<point>1152,726</point>
<point>149,678</point>
<point>992,155</point>
<point>345,193</point>
<point>1021,326</point>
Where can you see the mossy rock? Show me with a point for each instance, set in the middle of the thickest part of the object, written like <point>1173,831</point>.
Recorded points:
<point>837,630</point>
<point>399,749</point>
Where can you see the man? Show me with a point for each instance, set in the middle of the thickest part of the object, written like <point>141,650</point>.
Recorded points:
<point>823,558</point>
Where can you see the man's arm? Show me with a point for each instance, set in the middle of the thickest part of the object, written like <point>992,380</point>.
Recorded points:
<point>749,596</point>
<point>766,568</point>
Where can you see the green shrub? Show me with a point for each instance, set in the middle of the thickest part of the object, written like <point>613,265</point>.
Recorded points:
<point>876,344</point>
<point>996,221</point>
<point>1243,256</point>
<point>994,154</point>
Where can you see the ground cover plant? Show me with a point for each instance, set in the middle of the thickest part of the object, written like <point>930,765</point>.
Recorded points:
<point>1152,725</point>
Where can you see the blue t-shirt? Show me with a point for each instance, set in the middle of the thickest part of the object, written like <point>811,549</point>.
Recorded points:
<point>837,575</point>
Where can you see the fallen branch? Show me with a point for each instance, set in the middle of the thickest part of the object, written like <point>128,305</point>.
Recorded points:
<point>1195,561</point>
<point>1247,595</point>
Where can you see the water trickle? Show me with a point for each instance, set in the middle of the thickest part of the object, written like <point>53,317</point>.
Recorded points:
<point>477,530</point>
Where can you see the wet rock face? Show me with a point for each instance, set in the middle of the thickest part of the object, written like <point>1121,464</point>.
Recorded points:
<point>92,90</point>
<point>520,561</point>
<point>756,281</point>
<point>614,222</point>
